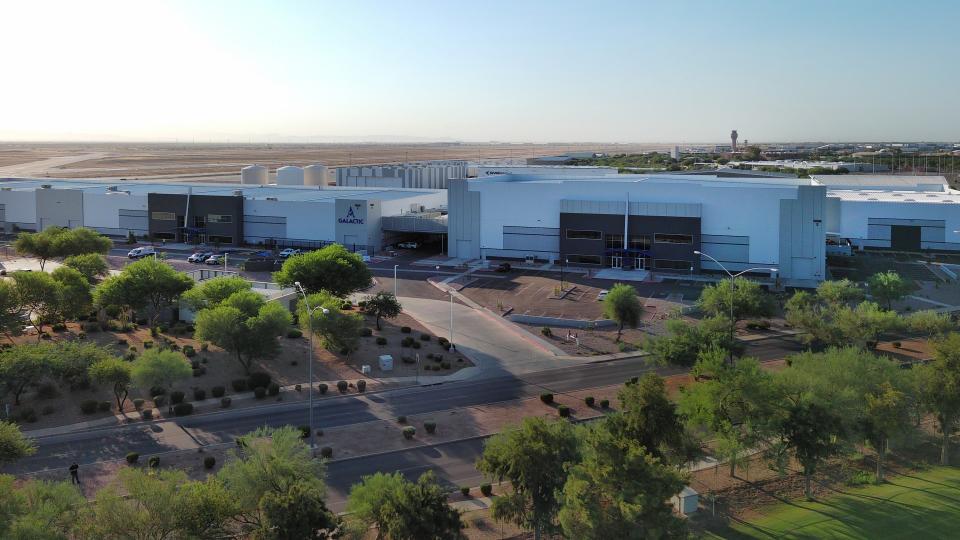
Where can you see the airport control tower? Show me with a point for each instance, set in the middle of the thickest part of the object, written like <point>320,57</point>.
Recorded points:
<point>733,140</point>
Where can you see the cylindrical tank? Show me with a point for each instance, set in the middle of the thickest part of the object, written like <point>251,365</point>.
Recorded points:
<point>315,175</point>
<point>254,174</point>
<point>289,176</point>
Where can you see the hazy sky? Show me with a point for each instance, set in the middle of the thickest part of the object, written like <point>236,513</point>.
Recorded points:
<point>629,71</point>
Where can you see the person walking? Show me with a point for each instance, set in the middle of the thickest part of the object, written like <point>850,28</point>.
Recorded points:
<point>74,474</point>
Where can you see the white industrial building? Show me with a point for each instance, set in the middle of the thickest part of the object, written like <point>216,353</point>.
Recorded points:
<point>795,164</point>
<point>427,174</point>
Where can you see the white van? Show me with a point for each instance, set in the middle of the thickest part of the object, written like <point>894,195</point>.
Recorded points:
<point>141,252</point>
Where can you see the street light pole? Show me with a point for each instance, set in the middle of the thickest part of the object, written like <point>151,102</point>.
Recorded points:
<point>452,346</point>
<point>309,359</point>
<point>395,280</point>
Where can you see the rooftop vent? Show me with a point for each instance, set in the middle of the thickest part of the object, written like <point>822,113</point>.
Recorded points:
<point>111,188</point>
<point>238,193</point>
<point>45,186</point>
<point>272,199</point>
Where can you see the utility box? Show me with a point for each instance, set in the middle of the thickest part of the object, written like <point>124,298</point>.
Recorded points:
<point>686,502</point>
<point>386,362</point>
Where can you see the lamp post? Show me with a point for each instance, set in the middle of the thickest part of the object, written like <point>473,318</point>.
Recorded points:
<point>732,292</point>
<point>452,346</point>
<point>310,311</point>
<point>395,280</point>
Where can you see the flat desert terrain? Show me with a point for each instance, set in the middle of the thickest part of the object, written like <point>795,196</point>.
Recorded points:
<point>222,162</point>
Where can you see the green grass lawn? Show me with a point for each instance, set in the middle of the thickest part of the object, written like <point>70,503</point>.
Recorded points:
<point>918,506</point>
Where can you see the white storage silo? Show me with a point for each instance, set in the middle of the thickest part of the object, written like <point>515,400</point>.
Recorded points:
<point>289,176</point>
<point>254,174</point>
<point>315,175</point>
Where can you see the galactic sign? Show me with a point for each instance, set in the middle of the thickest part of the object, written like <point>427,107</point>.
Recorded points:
<point>351,218</point>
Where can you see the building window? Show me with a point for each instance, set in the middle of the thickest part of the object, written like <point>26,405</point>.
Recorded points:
<point>165,236</point>
<point>163,216</point>
<point>667,264</point>
<point>574,234</point>
<point>614,241</point>
<point>219,239</point>
<point>673,238</point>
<point>219,218</point>
<point>585,259</point>
<point>639,242</point>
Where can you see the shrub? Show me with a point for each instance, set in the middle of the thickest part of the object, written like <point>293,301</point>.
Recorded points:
<point>486,490</point>
<point>130,357</point>
<point>48,410</point>
<point>154,462</point>
<point>304,431</point>
<point>157,390</point>
<point>209,462</point>
<point>258,378</point>
<point>897,344</point>
<point>47,390</point>
<point>225,402</point>
<point>438,358</point>
<point>366,332</point>
<point>294,333</point>
<point>198,371</point>
<point>176,397</point>
<point>59,327</point>
<point>132,457</point>
<point>239,385</point>
<point>91,327</point>
<point>103,406</point>
<point>564,411</point>
<point>361,385</point>
<point>430,426</point>
<point>427,367</point>
<point>259,392</point>
<point>401,419</point>
<point>409,432</point>
<point>344,350</point>
<point>407,359</point>
<point>199,394</point>
<point>189,351</point>
<point>441,340</point>
<point>148,344</point>
<point>147,414</point>
<point>604,403</point>
<point>273,389</point>
<point>424,337</point>
<point>381,340</point>
<point>138,403</point>
<point>415,344</point>
<point>218,391</point>
<point>406,342</point>
<point>465,491</point>
<point>182,409</point>
<point>326,452</point>
<point>159,401</point>
<point>405,329</point>
<point>588,401</point>
<point>122,342</point>
<point>28,415</point>
<point>546,331</point>
<point>342,386</point>
<point>322,387</point>
<point>204,346</point>
<point>445,365</point>
<point>194,364</point>
<point>546,397</point>
<point>446,346</point>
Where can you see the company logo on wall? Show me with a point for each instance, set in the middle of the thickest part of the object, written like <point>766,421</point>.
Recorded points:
<point>351,218</point>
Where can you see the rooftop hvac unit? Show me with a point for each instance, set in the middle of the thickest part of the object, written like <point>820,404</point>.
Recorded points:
<point>416,208</point>
<point>238,193</point>
<point>111,188</point>
<point>272,199</point>
<point>45,186</point>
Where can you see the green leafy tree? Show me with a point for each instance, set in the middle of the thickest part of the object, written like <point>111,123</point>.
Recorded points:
<point>811,432</point>
<point>40,295</point>
<point>382,305</point>
<point>116,373</point>
<point>245,325</point>
<point>212,292</point>
<point>93,266</point>
<point>886,414</point>
<point>72,361</point>
<point>888,287</point>
<point>534,458</point>
<point>38,510</point>
<point>338,329</point>
<point>619,490</point>
<point>332,269</point>
<point>158,368</point>
<point>622,305</point>
<point>685,341</point>
<point>839,292</point>
<point>55,242</point>
<point>75,296</point>
<point>404,510</point>
<point>13,445</point>
<point>939,385</point>
<point>929,323</point>
<point>138,504</point>
<point>81,241</point>
<point>863,325</point>
<point>299,512</point>
<point>747,297</point>
<point>147,283</point>
<point>206,510</point>
<point>12,315</point>
<point>24,365</point>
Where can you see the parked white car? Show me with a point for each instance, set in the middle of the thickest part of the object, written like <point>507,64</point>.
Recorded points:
<point>141,252</point>
<point>199,257</point>
<point>408,245</point>
<point>289,252</point>
<point>215,259</point>
<point>602,294</point>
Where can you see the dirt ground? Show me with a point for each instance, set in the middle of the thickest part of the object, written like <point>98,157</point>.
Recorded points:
<point>432,356</point>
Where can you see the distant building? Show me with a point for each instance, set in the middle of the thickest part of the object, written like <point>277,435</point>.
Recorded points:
<point>733,140</point>
<point>803,164</point>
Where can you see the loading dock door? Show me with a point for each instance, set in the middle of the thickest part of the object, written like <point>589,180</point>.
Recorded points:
<point>905,237</point>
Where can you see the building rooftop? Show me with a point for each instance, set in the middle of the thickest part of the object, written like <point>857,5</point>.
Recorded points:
<point>882,182</point>
<point>867,195</point>
<point>712,179</point>
<point>250,191</point>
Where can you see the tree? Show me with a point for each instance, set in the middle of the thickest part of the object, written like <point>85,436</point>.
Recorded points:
<point>929,323</point>
<point>93,266</point>
<point>23,365</point>
<point>863,325</point>
<point>619,490</point>
<point>212,292</point>
<point>747,297</point>
<point>811,432</point>
<point>270,461</point>
<point>622,305</point>
<point>206,510</point>
<point>939,384</point>
<point>39,245</point>
<point>12,316</point>
<point>888,287</point>
<point>158,368</point>
<point>685,341</point>
<point>534,457</point>
<point>40,295</point>
<point>81,241</point>
<point>339,330</point>
<point>13,445</point>
<point>886,415</point>
<point>54,242</point>
<point>404,510</point>
<point>115,372</point>
<point>38,509</point>
<point>75,296</point>
<point>332,269</point>
<point>72,361</point>
<point>382,305</point>
<point>839,292</point>
<point>245,325</point>
<point>138,504</point>
<point>147,283</point>
<point>299,512</point>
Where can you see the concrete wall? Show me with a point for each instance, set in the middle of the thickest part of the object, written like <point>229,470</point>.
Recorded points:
<point>115,213</point>
<point>20,208</point>
<point>357,224</point>
<point>312,221</point>
<point>856,216</point>
<point>59,208</point>
<point>803,236</point>
<point>463,222</point>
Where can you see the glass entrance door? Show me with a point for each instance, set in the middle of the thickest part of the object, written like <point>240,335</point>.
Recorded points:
<point>616,261</point>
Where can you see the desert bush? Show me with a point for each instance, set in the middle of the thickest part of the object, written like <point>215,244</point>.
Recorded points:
<point>176,397</point>
<point>259,392</point>
<point>564,411</point>
<point>47,390</point>
<point>486,490</point>
<point>273,389</point>
<point>225,402</point>
<point>132,457</point>
<point>159,401</point>
<point>361,385</point>
<point>408,359</point>
<point>147,414</point>
<point>258,378</point>
<point>322,387</point>
<point>199,394</point>
<point>103,406</point>
<point>294,333</point>
<point>401,419</point>
<point>122,342</point>
<point>138,403</point>
<point>154,462</point>
<point>465,491</point>
<point>445,365</point>
<point>588,401</point>
<point>409,432</point>
<point>218,391</point>
<point>326,452</point>
<point>342,386</point>
<point>546,397</point>
<point>304,431</point>
<point>546,331</point>
<point>424,337</point>
<point>604,403</point>
<point>405,329</point>
<point>238,385</point>
<point>381,340</point>
<point>148,344</point>
<point>183,409</point>
<point>430,426</point>
<point>366,332</point>
<point>415,344</point>
<point>209,462</point>
<point>189,351</point>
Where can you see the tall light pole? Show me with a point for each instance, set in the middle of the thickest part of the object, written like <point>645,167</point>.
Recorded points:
<point>452,346</point>
<point>310,311</point>
<point>395,280</point>
<point>732,292</point>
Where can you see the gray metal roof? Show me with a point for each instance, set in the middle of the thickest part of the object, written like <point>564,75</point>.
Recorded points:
<point>858,181</point>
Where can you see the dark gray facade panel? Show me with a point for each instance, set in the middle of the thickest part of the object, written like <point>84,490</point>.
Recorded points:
<point>650,226</point>
<point>200,205</point>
